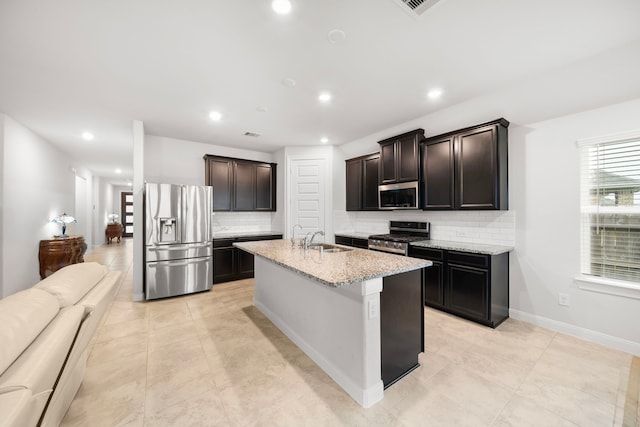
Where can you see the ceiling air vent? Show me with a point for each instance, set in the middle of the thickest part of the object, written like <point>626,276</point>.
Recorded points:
<point>416,7</point>
<point>253,134</point>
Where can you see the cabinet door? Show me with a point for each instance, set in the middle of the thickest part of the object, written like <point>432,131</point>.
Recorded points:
<point>477,174</point>
<point>220,176</point>
<point>343,240</point>
<point>354,184</point>
<point>468,291</point>
<point>265,188</point>
<point>438,174</point>
<point>244,191</point>
<point>224,264</point>
<point>387,162</point>
<point>434,284</point>
<point>245,264</point>
<point>360,243</point>
<point>370,170</point>
<point>407,158</point>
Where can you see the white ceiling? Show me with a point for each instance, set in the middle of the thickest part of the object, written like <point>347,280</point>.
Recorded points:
<point>68,66</point>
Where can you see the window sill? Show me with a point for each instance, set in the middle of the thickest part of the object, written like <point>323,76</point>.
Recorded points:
<point>609,286</point>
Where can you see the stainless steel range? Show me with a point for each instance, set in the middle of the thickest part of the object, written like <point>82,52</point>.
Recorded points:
<point>401,233</point>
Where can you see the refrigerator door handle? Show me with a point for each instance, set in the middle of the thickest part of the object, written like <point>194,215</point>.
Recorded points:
<point>180,263</point>
<point>177,248</point>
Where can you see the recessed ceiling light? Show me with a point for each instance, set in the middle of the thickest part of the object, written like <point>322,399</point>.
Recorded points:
<point>87,136</point>
<point>336,36</point>
<point>281,7</point>
<point>288,82</point>
<point>215,116</point>
<point>434,93</point>
<point>118,171</point>
<point>324,97</point>
<point>129,184</point>
<point>324,139</point>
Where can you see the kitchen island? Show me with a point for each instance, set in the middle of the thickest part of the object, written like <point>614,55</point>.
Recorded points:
<point>358,314</point>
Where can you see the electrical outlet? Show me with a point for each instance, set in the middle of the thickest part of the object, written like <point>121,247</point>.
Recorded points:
<point>373,309</point>
<point>563,299</point>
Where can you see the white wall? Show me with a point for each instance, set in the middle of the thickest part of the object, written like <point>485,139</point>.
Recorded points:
<point>544,190</point>
<point>2,204</point>
<point>176,161</point>
<point>38,184</point>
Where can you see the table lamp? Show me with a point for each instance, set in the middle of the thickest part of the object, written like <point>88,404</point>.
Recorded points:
<point>113,218</point>
<point>64,219</point>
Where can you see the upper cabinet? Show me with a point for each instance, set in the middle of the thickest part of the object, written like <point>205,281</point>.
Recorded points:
<point>466,169</point>
<point>362,182</point>
<point>241,185</point>
<point>400,158</point>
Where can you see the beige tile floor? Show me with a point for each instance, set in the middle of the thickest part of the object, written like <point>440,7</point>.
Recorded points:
<point>213,359</point>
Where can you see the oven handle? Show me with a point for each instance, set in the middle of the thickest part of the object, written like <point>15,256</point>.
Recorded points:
<point>387,250</point>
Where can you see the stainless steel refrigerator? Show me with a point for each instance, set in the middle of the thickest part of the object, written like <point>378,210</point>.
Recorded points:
<point>178,239</point>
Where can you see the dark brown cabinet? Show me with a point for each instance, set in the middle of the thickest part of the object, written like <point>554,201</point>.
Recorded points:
<point>466,169</point>
<point>231,263</point>
<point>362,183</point>
<point>241,185</point>
<point>400,158</point>
<point>351,241</point>
<point>470,285</point>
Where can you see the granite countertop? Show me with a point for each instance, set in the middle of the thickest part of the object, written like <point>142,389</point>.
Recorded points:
<point>477,248</point>
<point>333,269</point>
<point>229,234</point>
<point>355,234</point>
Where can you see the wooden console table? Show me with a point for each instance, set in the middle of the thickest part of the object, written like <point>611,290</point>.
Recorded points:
<point>113,231</point>
<point>57,253</point>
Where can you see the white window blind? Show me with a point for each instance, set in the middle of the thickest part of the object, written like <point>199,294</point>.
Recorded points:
<point>610,207</point>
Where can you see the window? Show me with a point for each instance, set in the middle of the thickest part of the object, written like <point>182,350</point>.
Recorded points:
<point>610,207</point>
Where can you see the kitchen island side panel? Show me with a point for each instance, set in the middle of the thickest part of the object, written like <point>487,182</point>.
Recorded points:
<point>338,328</point>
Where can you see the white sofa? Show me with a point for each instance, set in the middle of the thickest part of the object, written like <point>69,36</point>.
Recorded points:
<point>44,334</point>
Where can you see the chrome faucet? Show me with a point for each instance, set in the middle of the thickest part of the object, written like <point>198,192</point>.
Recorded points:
<point>293,234</point>
<point>313,237</point>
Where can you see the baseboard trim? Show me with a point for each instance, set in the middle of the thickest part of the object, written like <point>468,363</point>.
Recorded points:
<point>578,332</point>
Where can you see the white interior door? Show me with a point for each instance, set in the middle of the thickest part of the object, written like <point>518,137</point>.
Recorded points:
<point>307,195</point>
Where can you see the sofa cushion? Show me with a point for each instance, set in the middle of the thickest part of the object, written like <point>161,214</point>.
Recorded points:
<point>72,282</point>
<point>18,408</point>
<point>39,365</point>
<point>23,316</point>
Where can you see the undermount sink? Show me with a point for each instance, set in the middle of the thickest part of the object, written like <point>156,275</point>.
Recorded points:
<point>329,248</point>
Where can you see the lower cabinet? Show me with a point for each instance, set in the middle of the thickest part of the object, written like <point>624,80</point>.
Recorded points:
<point>470,285</point>
<point>351,241</point>
<point>231,263</point>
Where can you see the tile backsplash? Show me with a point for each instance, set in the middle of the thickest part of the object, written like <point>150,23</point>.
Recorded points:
<point>245,221</point>
<point>489,227</point>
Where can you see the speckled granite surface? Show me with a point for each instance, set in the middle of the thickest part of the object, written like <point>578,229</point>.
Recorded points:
<point>231,234</point>
<point>464,247</point>
<point>333,269</point>
<point>355,234</point>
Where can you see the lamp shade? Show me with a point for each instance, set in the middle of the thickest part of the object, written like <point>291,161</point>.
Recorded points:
<point>64,219</point>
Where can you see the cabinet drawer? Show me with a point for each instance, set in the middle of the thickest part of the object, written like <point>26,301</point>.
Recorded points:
<point>342,240</point>
<point>466,258</point>
<point>223,243</point>
<point>427,253</point>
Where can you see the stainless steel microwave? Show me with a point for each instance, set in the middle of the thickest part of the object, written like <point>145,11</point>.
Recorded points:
<point>403,195</point>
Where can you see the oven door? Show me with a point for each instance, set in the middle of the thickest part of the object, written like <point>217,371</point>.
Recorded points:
<point>387,247</point>
<point>398,196</point>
